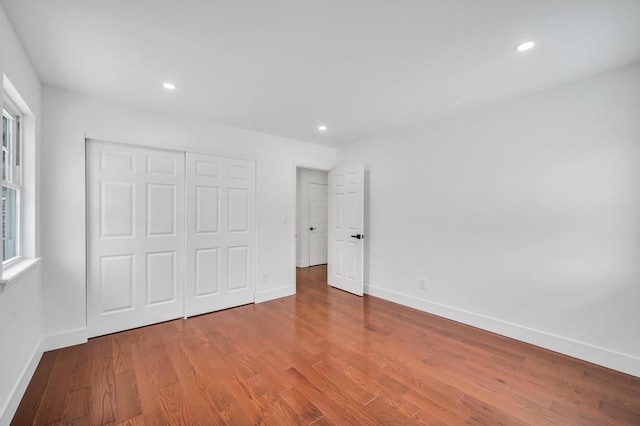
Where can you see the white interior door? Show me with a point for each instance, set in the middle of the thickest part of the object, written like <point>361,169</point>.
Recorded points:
<point>135,237</point>
<point>220,236</point>
<point>317,224</point>
<point>346,229</point>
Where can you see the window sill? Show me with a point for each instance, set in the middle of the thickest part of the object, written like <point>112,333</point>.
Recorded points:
<point>11,273</point>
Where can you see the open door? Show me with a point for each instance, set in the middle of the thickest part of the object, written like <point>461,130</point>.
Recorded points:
<point>346,229</point>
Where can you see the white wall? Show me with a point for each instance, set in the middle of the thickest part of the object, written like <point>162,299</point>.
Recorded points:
<point>303,178</point>
<point>524,218</point>
<point>21,303</point>
<point>69,118</point>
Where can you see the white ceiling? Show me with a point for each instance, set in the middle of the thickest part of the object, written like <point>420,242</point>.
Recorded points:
<point>284,66</point>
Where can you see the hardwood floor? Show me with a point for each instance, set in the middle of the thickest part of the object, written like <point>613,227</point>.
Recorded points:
<point>321,357</point>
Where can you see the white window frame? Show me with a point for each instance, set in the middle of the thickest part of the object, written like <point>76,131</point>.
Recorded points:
<point>14,174</point>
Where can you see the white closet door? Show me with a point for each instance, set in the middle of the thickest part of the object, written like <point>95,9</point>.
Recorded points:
<point>220,233</point>
<point>135,237</point>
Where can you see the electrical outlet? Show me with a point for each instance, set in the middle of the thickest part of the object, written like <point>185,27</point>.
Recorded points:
<point>422,283</point>
<point>265,277</point>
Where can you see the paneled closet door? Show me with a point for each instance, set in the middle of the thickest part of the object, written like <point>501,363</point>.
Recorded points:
<point>220,233</point>
<point>135,236</point>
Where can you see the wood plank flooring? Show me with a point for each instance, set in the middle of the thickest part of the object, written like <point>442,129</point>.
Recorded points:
<point>321,357</point>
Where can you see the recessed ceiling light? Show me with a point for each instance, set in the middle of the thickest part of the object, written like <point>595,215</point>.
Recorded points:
<point>322,128</point>
<point>523,47</point>
<point>169,86</point>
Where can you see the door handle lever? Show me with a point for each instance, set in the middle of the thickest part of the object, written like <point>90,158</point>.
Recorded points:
<point>311,228</point>
<point>358,236</point>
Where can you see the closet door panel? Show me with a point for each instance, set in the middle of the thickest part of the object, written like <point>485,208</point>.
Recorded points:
<point>220,234</point>
<point>135,236</point>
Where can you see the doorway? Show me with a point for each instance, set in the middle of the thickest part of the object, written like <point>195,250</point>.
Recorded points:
<point>311,217</point>
<point>337,196</point>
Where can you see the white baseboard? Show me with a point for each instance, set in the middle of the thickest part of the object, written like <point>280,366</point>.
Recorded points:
<point>11,405</point>
<point>591,353</point>
<point>276,293</point>
<point>65,339</point>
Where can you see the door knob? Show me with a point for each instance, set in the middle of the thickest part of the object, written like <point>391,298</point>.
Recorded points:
<point>358,236</point>
<point>312,228</point>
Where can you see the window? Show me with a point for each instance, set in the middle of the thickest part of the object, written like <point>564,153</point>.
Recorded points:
<point>11,184</point>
